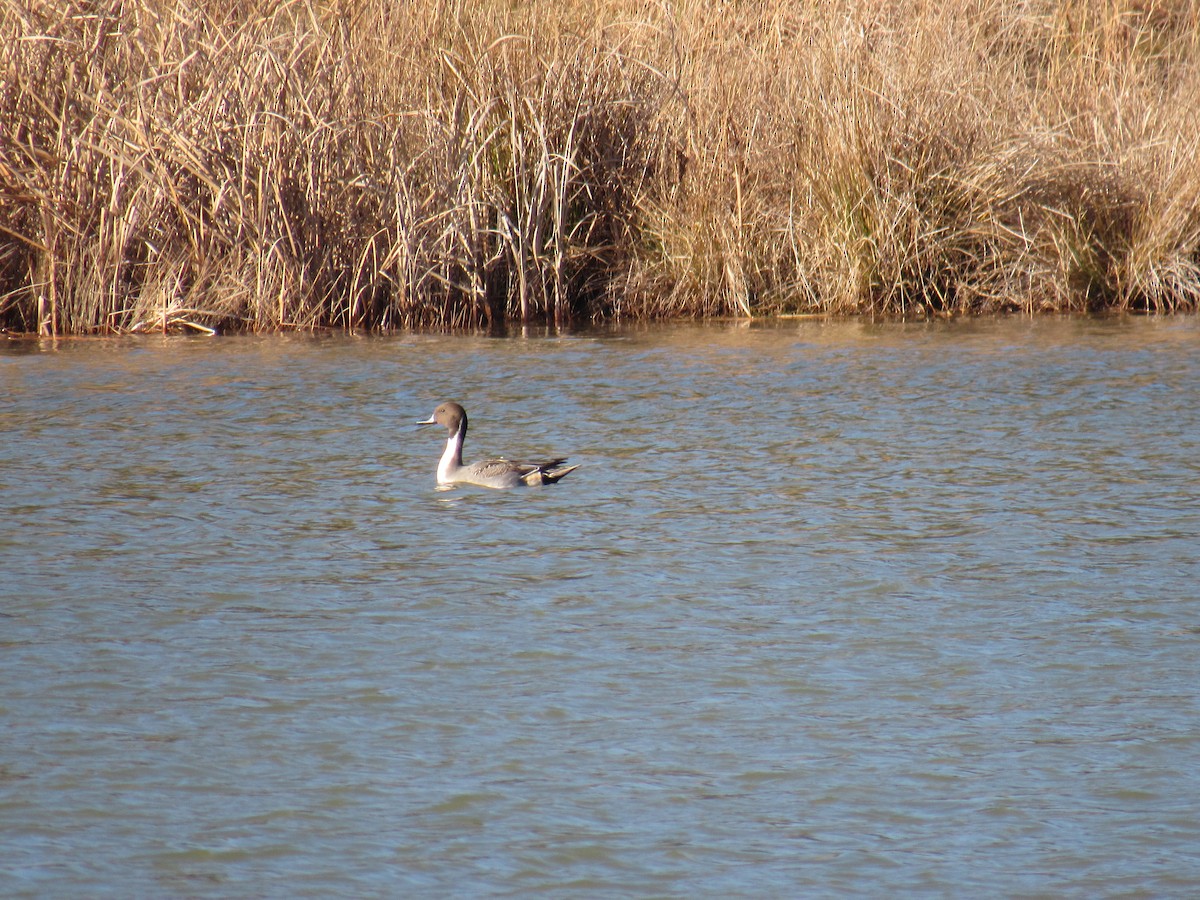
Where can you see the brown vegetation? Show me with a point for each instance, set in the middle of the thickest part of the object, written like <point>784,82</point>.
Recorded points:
<point>396,163</point>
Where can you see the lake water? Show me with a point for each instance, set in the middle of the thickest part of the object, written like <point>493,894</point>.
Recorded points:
<point>829,609</point>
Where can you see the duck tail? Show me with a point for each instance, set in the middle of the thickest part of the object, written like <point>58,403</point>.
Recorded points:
<point>548,474</point>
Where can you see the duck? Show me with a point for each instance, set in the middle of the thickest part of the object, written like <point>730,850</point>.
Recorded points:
<point>492,473</point>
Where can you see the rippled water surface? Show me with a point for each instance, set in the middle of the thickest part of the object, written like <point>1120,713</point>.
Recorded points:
<point>828,609</point>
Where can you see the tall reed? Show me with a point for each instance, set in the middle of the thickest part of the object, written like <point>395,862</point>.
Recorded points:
<point>370,164</point>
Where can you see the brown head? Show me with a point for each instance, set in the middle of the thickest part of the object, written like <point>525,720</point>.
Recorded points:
<point>450,416</point>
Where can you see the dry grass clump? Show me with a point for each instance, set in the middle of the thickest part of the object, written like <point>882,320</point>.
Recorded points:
<point>891,158</point>
<point>293,164</point>
<point>363,163</point>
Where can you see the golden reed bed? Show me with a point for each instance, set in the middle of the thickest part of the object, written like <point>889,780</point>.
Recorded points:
<point>266,164</point>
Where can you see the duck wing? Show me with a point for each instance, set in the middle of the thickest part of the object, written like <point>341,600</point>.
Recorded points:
<point>497,468</point>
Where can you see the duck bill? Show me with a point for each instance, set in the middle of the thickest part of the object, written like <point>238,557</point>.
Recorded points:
<point>428,421</point>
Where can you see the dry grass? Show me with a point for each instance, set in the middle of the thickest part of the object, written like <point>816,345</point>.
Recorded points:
<point>370,163</point>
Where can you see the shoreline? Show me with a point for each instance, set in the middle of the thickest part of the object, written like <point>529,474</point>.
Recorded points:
<point>549,329</point>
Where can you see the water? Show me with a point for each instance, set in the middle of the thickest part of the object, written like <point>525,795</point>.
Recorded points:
<point>829,609</point>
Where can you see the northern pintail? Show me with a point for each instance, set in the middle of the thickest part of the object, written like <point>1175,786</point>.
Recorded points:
<point>493,473</point>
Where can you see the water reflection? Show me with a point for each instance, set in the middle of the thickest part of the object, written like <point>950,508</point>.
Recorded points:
<point>828,608</point>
